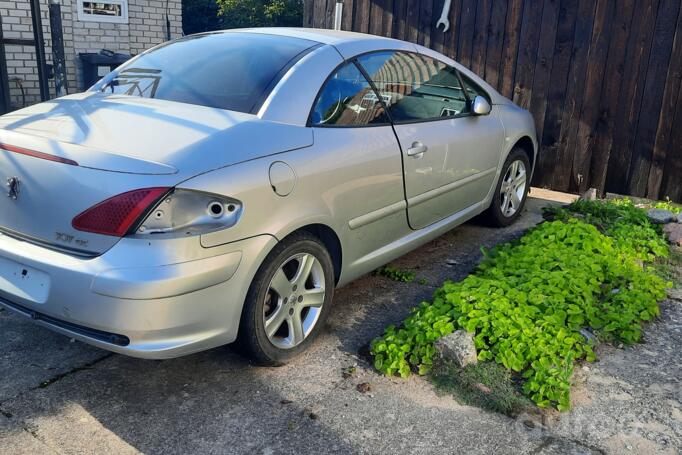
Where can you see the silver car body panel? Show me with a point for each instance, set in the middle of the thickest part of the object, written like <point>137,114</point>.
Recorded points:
<point>173,296</point>
<point>456,170</point>
<point>290,101</point>
<point>52,194</point>
<point>162,314</point>
<point>95,130</point>
<point>348,180</point>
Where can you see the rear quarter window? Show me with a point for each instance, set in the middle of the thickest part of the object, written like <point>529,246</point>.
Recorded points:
<point>347,99</point>
<point>234,71</point>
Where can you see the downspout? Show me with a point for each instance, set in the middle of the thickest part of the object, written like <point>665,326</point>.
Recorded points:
<point>168,32</point>
<point>338,14</point>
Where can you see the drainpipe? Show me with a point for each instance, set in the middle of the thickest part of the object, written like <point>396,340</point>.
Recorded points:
<point>168,30</point>
<point>338,14</point>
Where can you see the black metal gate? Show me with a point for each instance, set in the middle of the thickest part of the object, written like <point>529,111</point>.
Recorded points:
<point>39,45</point>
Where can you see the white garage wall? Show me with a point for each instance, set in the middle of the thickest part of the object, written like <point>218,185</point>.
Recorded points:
<point>146,27</point>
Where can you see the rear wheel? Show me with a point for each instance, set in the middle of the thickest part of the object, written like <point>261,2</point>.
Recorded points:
<point>511,190</point>
<point>288,301</point>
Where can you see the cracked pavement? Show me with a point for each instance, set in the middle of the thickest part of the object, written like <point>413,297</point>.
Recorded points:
<point>58,396</point>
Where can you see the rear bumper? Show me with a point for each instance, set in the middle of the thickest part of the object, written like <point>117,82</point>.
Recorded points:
<point>150,299</point>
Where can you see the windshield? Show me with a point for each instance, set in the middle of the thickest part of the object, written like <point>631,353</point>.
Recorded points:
<point>234,71</point>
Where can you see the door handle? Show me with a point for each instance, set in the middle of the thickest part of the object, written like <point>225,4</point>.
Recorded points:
<point>417,149</point>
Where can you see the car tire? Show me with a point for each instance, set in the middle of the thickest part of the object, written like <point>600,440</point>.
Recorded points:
<point>511,190</point>
<point>282,305</point>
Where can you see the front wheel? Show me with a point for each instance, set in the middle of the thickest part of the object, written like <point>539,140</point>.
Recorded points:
<point>288,301</point>
<point>511,190</point>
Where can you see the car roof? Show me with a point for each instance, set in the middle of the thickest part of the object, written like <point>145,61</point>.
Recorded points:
<point>348,44</point>
<point>320,35</point>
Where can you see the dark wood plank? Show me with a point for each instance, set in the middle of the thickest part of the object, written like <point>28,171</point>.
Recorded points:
<point>425,25</point>
<point>480,43</point>
<point>667,115</point>
<point>671,186</point>
<point>330,13</point>
<point>466,32</point>
<point>652,98</point>
<point>376,16</point>
<point>611,92</point>
<point>452,35</point>
<point>308,12</point>
<point>347,17</point>
<point>553,104</point>
<point>634,75</point>
<point>437,35</point>
<point>510,47</point>
<point>399,18</point>
<point>544,62</point>
<point>319,13</point>
<point>361,16</point>
<point>589,115</point>
<point>387,18</point>
<point>412,24</point>
<point>573,102</point>
<point>528,47</point>
<point>493,53</point>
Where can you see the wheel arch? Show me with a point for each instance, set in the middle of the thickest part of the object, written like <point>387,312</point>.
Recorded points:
<point>526,144</point>
<point>331,242</point>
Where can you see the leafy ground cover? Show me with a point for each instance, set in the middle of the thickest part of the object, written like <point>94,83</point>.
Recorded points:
<point>530,301</point>
<point>667,205</point>
<point>395,274</point>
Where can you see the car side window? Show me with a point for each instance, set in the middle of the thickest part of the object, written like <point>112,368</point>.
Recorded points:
<point>473,89</point>
<point>347,99</point>
<point>415,87</point>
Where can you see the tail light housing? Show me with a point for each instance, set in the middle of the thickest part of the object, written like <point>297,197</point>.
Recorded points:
<point>160,211</point>
<point>117,215</point>
<point>189,212</point>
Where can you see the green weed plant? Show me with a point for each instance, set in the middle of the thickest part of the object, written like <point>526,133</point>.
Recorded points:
<point>529,300</point>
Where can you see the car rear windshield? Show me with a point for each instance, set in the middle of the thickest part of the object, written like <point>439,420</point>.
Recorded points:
<point>234,71</point>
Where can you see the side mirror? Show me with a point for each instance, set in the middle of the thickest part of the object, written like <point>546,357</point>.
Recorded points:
<point>481,106</point>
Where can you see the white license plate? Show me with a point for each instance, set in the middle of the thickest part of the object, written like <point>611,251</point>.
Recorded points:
<point>22,281</point>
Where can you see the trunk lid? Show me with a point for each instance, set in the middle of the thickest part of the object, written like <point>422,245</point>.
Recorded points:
<point>72,153</point>
<point>149,136</point>
<point>47,195</point>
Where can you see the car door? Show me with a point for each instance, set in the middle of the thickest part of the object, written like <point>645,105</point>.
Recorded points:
<point>357,160</point>
<point>450,156</point>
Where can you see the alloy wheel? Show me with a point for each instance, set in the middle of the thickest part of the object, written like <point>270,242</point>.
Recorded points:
<point>294,300</point>
<point>513,188</point>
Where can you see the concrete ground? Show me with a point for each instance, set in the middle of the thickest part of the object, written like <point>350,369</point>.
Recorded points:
<point>66,397</point>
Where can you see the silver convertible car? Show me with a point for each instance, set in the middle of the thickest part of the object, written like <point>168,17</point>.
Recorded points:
<point>220,186</point>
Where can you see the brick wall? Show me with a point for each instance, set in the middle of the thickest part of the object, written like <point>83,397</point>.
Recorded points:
<point>146,27</point>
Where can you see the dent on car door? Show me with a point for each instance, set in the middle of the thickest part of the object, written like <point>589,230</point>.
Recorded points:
<point>450,156</point>
<point>359,170</point>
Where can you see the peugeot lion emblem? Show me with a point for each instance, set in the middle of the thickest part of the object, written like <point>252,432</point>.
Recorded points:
<point>13,187</point>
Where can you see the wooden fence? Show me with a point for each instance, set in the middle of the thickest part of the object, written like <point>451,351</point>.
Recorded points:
<point>601,77</point>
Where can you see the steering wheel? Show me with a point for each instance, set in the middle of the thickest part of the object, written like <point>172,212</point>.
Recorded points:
<point>338,97</point>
